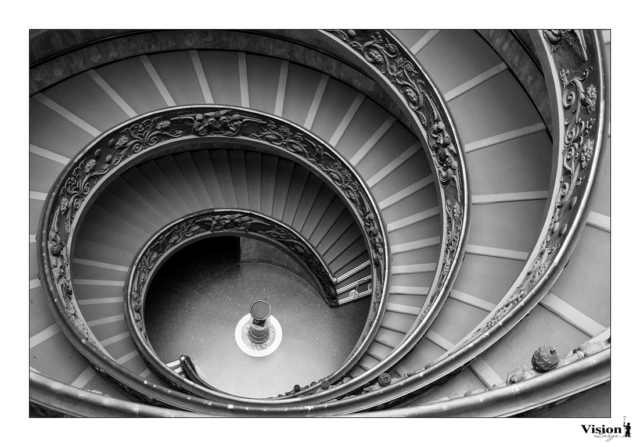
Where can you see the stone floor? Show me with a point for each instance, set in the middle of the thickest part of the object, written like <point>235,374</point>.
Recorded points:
<point>201,293</point>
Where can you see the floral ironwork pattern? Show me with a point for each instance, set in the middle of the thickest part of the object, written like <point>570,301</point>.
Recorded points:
<point>381,51</point>
<point>574,37</point>
<point>112,150</point>
<point>140,136</point>
<point>218,222</point>
<point>580,105</point>
<point>225,123</point>
<point>248,125</point>
<point>85,173</point>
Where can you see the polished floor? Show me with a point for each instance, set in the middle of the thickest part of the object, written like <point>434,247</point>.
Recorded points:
<point>200,294</point>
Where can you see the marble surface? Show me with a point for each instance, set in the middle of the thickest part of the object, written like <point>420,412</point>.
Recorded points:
<point>200,294</point>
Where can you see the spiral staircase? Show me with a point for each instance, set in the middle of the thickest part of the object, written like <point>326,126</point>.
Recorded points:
<point>470,256</point>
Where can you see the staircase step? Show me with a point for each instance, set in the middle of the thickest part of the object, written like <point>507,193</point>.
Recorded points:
<point>420,200</point>
<point>327,220</point>
<point>99,308</point>
<point>413,280</point>
<point>83,97</point>
<point>221,167</point>
<point>318,210</point>
<point>337,101</point>
<point>352,252</point>
<point>510,226</point>
<point>263,75</point>
<point>239,176</point>
<point>367,120</point>
<point>268,185</point>
<point>350,236</point>
<point>253,164</point>
<point>40,316</point>
<point>397,322</point>
<point>364,273</point>
<point>339,227</point>
<point>388,338</point>
<point>207,174</point>
<point>130,79</point>
<point>35,207</point>
<point>281,191</point>
<point>155,175</point>
<point>43,172</point>
<point>391,145</point>
<point>106,237</point>
<point>189,171</point>
<point>379,351</point>
<point>179,76</point>
<point>117,217</point>
<point>307,200</point>
<point>139,183</point>
<point>423,354</point>
<point>421,230</point>
<point>415,301</point>
<point>301,87</point>
<point>455,57</point>
<point>362,258</point>
<point>182,187</point>
<point>456,320</point>
<point>88,249</point>
<point>56,358</point>
<point>51,131</point>
<point>367,362</point>
<point>402,309</point>
<point>134,200</point>
<point>222,72</point>
<point>296,189</point>
<point>410,175</point>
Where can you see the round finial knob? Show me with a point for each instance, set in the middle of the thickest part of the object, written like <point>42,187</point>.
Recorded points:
<point>351,33</point>
<point>384,379</point>
<point>296,388</point>
<point>545,358</point>
<point>325,384</point>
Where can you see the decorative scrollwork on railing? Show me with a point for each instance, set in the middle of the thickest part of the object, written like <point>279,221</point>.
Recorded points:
<point>113,152</point>
<point>231,123</point>
<point>574,37</point>
<point>73,188</point>
<point>578,173</point>
<point>581,109</point>
<point>219,222</point>
<point>383,52</point>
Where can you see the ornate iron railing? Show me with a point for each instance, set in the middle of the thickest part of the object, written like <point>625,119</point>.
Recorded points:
<point>207,223</point>
<point>577,143</point>
<point>148,136</point>
<point>395,67</point>
<point>202,224</point>
<point>400,85</point>
<point>50,398</point>
<point>580,113</point>
<point>585,367</point>
<point>422,107</point>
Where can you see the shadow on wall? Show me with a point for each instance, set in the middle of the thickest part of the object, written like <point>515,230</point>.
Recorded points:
<point>253,250</point>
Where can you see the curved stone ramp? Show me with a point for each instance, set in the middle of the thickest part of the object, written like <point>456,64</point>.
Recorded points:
<point>509,159</point>
<point>383,151</point>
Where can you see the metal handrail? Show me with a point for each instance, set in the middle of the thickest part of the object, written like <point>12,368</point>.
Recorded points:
<point>174,236</point>
<point>129,143</point>
<point>564,229</point>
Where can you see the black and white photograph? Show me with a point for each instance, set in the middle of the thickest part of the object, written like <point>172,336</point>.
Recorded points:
<point>271,221</point>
